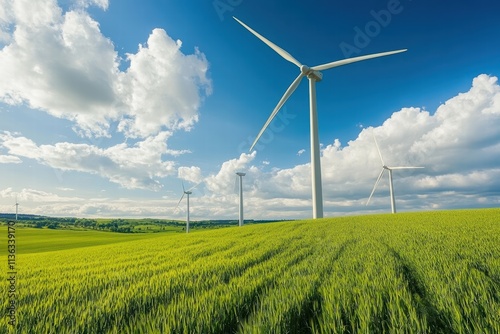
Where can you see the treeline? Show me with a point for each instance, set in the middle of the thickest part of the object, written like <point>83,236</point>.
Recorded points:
<point>119,225</point>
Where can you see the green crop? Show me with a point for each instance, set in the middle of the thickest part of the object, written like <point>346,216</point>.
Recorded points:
<point>433,272</point>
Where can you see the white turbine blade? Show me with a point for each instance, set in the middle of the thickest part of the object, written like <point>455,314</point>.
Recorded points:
<point>375,186</point>
<point>181,199</point>
<point>273,46</point>
<point>378,150</point>
<point>353,60</point>
<point>285,97</point>
<point>183,189</point>
<point>196,185</point>
<point>405,167</point>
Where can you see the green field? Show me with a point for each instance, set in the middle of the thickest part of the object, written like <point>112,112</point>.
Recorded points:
<point>435,272</point>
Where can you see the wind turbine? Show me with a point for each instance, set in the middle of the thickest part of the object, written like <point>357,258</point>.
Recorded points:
<point>314,75</point>
<point>17,207</point>
<point>187,192</point>
<point>390,169</point>
<point>240,174</point>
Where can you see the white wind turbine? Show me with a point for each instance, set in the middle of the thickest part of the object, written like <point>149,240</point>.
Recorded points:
<point>186,192</point>
<point>390,169</point>
<point>17,207</point>
<point>314,75</point>
<point>240,175</point>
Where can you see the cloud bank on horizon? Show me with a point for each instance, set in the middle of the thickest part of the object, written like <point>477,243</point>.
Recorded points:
<point>59,63</point>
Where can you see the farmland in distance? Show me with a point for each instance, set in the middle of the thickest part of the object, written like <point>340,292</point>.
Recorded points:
<point>429,272</point>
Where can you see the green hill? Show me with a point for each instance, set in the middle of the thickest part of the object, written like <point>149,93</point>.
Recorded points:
<point>433,272</point>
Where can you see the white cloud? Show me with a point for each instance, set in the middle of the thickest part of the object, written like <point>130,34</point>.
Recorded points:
<point>164,86</point>
<point>137,166</point>
<point>223,181</point>
<point>60,62</point>
<point>99,3</point>
<point>300,152</point>
<point>191,174</point>
<point>9,159</point>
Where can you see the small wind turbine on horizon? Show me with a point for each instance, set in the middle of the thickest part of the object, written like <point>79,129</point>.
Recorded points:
<point>390,169</point>
<point>240,175</point>
<point>188,193</point>
<point>17,207</point>
<point>314,75</point>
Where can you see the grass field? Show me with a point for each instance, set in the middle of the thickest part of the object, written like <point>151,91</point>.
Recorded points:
<point>436,272</point>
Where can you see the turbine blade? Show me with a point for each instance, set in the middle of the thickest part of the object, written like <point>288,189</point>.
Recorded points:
<point>353,60</point>
<point>375,186</point>
<point>405,167</point>
<point>378,149</point>
<point>285,97</point>
<point>196,185</point>
<point>180,199</point>
<point>273,46</point>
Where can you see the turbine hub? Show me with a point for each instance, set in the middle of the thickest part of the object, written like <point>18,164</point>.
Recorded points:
<point>305,69</point>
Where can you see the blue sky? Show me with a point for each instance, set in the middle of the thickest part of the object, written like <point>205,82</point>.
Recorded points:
<point>106,107</point>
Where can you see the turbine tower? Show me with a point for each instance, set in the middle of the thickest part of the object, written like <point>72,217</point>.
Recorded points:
<point>240,174</point>
<point>17,207</point>
<point>390,169</point>
<point>314,75</point>
<point>186,192</point>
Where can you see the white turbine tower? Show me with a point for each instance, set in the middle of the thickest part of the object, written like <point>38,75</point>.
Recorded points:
<point>186,192</point>
<point>314,75</point>
<point>390,169</point>
<point>17,207</point>
<point>240,174</point>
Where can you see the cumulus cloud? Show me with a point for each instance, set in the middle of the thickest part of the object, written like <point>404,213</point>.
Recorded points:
<point>163,86</point>
<point>223,181</point>
<point>61,63</point>
<point>191,174</point>
<point>10,159</point>
<point>137,166</point>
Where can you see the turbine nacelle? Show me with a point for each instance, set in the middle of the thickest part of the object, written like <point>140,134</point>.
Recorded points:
<point>310,73</point>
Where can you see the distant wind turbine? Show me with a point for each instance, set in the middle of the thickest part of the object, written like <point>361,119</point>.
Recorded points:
<point>186,192</point>
<point>17,207</point>
<point>240,175</point>
<point>314,75</point>
<point>390,169</point>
